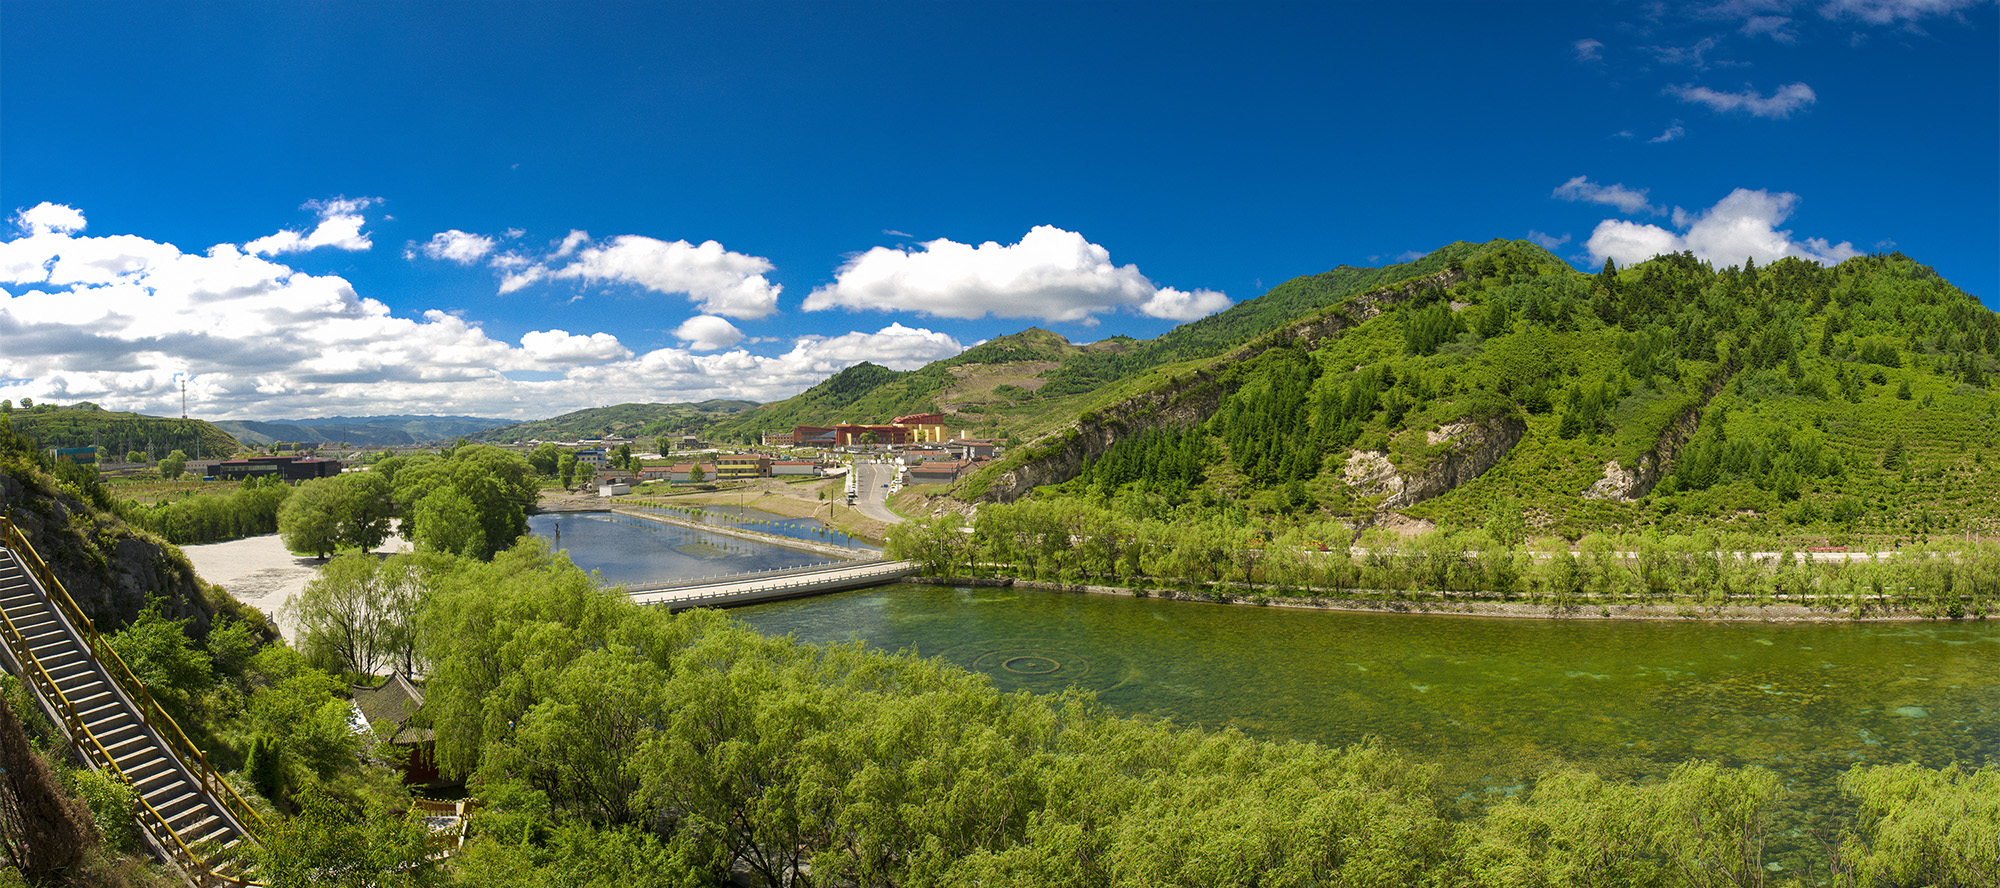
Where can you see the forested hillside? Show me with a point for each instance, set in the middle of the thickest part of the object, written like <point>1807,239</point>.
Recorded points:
<point>1004,371</point>
<point>1032,382</point>
<point>88,425</point>
<point>622,420</point>
<point>1516,393</point>
<point>361,431</point>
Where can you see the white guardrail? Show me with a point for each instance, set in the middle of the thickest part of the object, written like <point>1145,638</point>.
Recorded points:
<point>693,593</point>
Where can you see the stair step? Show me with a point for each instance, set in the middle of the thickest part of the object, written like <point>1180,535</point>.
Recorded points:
<point>134,756</point>
<point>175,801</point>
<point>153,777</point>
<point>192,819</point>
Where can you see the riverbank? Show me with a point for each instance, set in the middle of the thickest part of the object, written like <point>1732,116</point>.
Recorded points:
<point>779,496</point>
<point>1453,604</point>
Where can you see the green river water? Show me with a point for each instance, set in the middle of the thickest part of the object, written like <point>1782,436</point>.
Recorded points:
<point>1492,701</point>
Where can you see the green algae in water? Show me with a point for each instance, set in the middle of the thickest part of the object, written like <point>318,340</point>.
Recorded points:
<point>1490,700</point>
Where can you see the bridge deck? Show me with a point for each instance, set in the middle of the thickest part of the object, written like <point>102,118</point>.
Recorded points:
<point>773,585</point>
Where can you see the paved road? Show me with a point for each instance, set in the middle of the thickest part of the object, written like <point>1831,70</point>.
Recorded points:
<point>872,498</point>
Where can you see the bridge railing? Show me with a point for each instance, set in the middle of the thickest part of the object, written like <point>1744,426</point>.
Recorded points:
<point>879,569</point>
<point>748,575</point>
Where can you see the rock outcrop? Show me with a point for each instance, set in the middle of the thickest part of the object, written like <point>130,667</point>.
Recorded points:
<point>1629,484</point>
<point>110,568</point>
<point>1472,447</point>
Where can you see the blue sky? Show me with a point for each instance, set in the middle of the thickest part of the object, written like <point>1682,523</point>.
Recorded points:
<point>521,209</point>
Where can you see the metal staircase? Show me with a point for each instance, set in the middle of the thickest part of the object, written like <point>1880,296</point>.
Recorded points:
<point>185,811</point>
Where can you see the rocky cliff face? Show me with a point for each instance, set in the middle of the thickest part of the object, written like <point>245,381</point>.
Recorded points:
<point>109,567</point>
<point>1473,446</point>
<point>1180,404</point>
<point>1186,401</point>
<point>1626,485</point>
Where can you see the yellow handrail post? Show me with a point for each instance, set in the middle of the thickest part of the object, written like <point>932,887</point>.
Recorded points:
<point>87,744</point>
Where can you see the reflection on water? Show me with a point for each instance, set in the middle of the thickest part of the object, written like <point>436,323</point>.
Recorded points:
<point>634,551</point>
<point>811,530</point>
<point>1492,700</point>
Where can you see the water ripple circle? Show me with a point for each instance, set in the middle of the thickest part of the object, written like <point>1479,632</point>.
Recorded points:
<point>1037,664</point>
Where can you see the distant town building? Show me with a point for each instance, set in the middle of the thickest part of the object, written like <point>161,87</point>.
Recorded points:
<point>290,468</point>
<point>779,439</point>
<point>684,473</point>
<point>943,472</point>
<point>924,428</point>
<point>739,466</point>
<point>970,448</point>
<point>794,467</point>
<point>82,456</point>
<point>850,435</point>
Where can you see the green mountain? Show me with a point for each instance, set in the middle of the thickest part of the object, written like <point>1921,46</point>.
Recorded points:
<point>1498,387</point>
<point>362,431</point>
<point>1034,382</point>
<point>622,420</point>
<point>87,425</point>
<point>998,376</point>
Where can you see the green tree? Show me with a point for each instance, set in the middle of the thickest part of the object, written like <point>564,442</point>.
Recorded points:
<point>1924,827</point>
<point>173,465</point>
<point>695,474</point>
<point>336,843</point>
<point>161,655</point>
<point>566,469</point>
<point>447,521</point>
<point>326,514</point>
<point>663,445</point>
<point>135,456</point>
<point>359,613</point>
<point>544,459</point>
<point>622,457</point>
<point>499,484</point>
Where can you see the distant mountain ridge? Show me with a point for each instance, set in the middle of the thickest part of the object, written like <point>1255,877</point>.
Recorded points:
<point>634,421</point>
<point>361,431</point>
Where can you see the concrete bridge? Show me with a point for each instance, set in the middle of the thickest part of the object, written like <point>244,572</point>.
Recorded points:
<point>772,585</point>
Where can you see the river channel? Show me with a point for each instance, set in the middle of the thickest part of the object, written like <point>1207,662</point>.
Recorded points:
<point>1492,701</point>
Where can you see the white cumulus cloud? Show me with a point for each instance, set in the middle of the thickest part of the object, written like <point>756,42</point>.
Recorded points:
<point>1051,274</point>
<point>458,246</point>
<point>1780,104</point>
<point>718,281</point>
<point>48,218</point>
<point>1630,200</point>
<point>340,222</point>
<point>707,333</point>
<point>121,319</point>
<point>1741,225</point>
<point>556,347</point>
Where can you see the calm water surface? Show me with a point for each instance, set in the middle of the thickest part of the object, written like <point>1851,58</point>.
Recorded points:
<point>631,551</point>
<point>1492,700</point>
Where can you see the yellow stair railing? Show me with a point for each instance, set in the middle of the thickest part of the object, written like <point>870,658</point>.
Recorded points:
<point>157,826</point>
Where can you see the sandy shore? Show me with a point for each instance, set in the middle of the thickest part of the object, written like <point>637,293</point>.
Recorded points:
<point>259,572</point>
